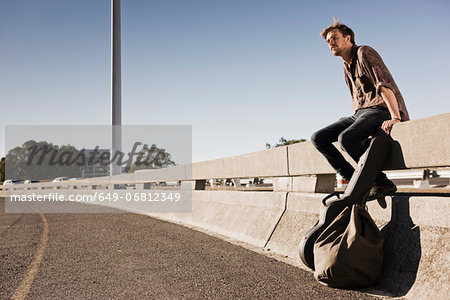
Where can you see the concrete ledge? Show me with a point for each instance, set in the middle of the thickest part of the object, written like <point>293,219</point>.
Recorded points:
<point>323,183</point>
<point>423,210</point>
<point>175,173</point>
<point>266,163</point>
<point>417,260</point>
<point>304,159</point>
<point>246,216</point>
<point>424,143</point>
<point>300,215</point>
<point>418,144</point>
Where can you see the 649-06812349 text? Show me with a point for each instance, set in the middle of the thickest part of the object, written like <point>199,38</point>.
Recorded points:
<point>100,197</point>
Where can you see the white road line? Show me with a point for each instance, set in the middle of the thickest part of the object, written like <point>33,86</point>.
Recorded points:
<point>24,287</point>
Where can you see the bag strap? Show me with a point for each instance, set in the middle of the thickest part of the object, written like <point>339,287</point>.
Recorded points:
<point>324,200</point>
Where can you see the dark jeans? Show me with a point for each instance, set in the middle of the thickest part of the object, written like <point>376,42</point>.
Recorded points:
<point>352,133</point>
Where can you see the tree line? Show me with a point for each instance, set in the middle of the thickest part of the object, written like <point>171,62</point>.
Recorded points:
<point>43,160</point>
<point>284,142</point>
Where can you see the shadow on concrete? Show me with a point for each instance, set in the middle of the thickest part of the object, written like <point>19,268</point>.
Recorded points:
<point>396,161</point>
<point>402,250</point>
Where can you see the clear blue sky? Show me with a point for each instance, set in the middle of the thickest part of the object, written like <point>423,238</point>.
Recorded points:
<point>242,73</point>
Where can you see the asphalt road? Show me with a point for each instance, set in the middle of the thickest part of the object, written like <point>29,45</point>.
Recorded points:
<point>130,256</point>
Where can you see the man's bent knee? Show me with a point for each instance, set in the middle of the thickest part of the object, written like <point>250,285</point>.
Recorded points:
<point>318,138</point>
<point>346,141</point>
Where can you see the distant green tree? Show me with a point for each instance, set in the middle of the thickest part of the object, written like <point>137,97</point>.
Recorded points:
<point>284,142</point>
<point>2,170</point>
<point>41,160</point>
<point>151,158</point>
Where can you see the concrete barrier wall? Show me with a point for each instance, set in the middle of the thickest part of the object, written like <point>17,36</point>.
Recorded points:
<point>250,217</point>
<point>424,142</point>
<point>266,163</point>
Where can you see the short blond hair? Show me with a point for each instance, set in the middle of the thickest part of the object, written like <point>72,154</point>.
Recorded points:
<point>341,27</point>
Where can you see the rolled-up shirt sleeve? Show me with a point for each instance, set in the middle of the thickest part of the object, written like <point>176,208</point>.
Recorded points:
<point>376,69</point>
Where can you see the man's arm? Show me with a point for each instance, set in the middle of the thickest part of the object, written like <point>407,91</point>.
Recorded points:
<point>383,82</point>
<point>391,102</point>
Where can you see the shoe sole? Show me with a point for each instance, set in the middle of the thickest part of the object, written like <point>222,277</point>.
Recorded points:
<point>390,192</point>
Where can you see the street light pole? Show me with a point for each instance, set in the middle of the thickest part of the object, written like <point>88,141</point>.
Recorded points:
<point>116,86</point>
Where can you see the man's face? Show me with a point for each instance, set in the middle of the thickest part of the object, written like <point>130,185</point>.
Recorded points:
<point>337,42</point>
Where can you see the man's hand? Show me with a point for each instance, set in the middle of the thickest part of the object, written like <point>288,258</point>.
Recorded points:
<point>387,125</point>
<point>391,103</point>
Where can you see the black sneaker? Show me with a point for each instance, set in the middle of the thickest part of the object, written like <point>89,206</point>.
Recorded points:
<point>378,192</point>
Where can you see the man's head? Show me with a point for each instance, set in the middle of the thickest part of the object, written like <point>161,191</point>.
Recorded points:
<point>338,37</point>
